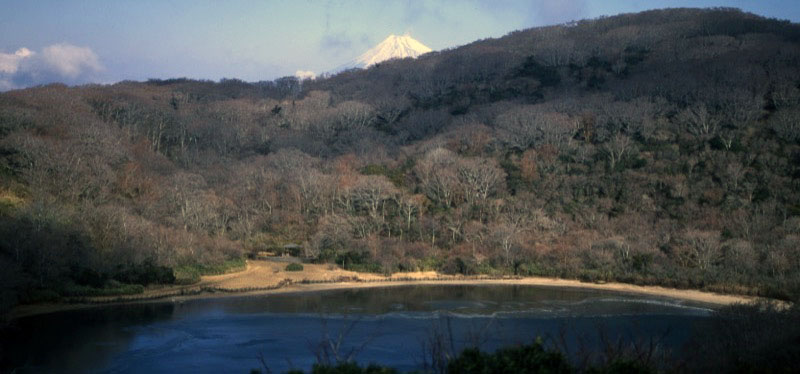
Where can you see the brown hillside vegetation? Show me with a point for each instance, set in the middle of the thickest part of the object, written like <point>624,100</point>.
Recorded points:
<point>656,148</point>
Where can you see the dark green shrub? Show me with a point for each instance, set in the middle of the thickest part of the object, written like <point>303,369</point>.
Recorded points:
<point>111,289</point>
<point>294,267</point>
<point>358,261</point>
<point>144,274</point>
<point>89,277</point>
<point>39,296</point>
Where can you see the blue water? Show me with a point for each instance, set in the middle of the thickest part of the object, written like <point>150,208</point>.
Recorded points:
<point>391,326</point>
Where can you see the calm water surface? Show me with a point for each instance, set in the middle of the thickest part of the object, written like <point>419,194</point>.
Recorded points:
<point>385,325</point>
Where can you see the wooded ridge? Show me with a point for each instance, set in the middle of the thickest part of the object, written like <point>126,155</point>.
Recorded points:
<point>654,148</point>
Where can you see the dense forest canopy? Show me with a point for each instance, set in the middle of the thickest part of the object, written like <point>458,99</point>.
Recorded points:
<point>659,148</point>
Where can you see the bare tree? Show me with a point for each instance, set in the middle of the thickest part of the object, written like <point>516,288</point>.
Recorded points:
<point>333,234</point>
<point>481,178</point>
<point>475,233</point>
<point>313,187</point>
<point>699,120</point>
<point>701,249</point>
<point>786,123</point>
<point>372,192</point>
<point>409,206</point>
<point>532,126</point>
<point>351,115</point>
<point>436,172</point>
<point>785,94</point>
<point>507,232</point>
<point>617,149</point>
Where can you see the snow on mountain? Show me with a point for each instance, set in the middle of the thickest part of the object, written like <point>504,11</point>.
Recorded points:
<point>392,47</point>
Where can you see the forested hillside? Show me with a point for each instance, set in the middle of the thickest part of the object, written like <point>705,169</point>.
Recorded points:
<point>660,148</point>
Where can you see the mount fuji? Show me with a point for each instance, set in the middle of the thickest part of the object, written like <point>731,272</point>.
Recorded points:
<point>394,46</point>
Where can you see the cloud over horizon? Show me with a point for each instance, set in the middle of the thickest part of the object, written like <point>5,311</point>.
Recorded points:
<point>63,62</point>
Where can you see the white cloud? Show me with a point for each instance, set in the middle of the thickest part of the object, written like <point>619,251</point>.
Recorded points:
<point>9,62</point>
<point>305,74</point>
<point>63,62</point>
<point>70,61</point>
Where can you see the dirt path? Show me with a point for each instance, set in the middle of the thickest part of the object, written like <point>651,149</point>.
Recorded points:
<point>270,277</point>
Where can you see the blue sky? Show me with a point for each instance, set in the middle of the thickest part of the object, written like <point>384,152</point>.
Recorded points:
<point>108,40</point>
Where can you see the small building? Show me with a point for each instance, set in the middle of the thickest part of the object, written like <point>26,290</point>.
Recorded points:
<point>292,249</point>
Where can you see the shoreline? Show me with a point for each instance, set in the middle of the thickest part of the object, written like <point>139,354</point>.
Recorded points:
<point>711,299</point>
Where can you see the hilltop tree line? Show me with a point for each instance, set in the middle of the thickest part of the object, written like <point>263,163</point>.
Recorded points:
<point>658,148</point>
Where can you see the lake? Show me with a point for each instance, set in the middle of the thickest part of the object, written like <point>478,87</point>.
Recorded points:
<point>387,325</point>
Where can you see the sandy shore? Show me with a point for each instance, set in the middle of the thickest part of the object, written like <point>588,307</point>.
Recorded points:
<point>270,277</point>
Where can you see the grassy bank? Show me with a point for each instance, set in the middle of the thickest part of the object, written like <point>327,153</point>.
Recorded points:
<point>190,274</point>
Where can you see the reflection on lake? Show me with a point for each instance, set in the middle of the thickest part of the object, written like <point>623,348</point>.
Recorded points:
<point>228,334</point>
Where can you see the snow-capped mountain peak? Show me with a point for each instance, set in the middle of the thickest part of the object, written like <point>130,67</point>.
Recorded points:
<point>394,46</point>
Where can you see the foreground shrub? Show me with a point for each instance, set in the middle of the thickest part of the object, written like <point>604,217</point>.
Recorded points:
<point>533,358</point>
<point>348,368</point>
<point>761,337</point>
